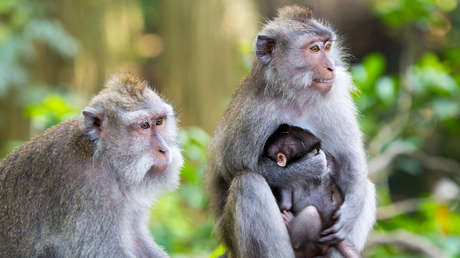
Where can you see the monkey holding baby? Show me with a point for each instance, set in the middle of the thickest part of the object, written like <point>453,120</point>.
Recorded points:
<point>298,79</point>
<point>313,203</point>
<point>85,187</point>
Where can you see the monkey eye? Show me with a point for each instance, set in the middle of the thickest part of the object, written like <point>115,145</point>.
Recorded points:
<point>315,48</point>
<point>159,121</point>
<point>328,45</point>
<point>145,125</point>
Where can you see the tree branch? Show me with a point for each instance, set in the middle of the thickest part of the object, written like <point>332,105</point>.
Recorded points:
<point>398,208</point>
<point>381,161</point>
<point>405,240</point>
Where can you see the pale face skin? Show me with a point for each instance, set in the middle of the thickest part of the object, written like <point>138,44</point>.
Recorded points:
<point>147,138</point>
<point>149,128</point>
<point>317,52</point>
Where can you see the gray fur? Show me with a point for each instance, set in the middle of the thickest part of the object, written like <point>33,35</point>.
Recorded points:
<point>274,94</point>
<point>70,193</point>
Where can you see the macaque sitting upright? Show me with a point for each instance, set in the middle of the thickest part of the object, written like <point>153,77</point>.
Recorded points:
<point>307,208</point>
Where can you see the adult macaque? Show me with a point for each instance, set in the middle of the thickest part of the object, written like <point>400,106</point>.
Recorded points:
<point>84,188</point>
<point>307,208</point>
<point>298,79</point>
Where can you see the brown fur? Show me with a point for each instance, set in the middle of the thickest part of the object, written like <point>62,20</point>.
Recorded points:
<point>295,12</point>
<point>57,199</point>
<point>126,90</point>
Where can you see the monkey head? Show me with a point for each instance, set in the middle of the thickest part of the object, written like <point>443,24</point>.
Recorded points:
<point>134,132</point>
<point>297,51</point>
<point>290,143</point>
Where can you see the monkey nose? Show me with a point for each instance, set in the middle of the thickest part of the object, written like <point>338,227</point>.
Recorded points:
<point>330,69</point>
<point>162,150</point>
<point>163,153</point>
<point>163,158</point>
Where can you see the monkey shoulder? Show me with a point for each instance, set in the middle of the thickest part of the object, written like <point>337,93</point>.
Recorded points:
<point>48,152</point>
<point>245,126</point>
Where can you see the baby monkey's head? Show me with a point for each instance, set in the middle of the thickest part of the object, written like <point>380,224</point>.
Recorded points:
<point>290,143</point>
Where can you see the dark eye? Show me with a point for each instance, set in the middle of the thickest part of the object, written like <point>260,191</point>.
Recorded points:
<point>314,48</point>
<point>145,125</point>
<point>159,121</point>
<point>328,45</point>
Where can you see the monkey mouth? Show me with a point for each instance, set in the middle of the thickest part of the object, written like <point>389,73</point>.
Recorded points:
<point>326,81</point>
<point>159,168</point>
<point>323,85</point>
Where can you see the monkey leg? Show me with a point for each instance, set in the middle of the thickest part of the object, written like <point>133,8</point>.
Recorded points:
<point>304,230</point>
<point>285,202</point>
<point>252,220</point>
<point>347,250</point>
<point>305,227</point>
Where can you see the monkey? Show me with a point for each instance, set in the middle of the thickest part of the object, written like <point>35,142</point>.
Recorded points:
<point>314,203</point>
<point>289,143</point>
<point>85,187</point>
<point>298,78</point>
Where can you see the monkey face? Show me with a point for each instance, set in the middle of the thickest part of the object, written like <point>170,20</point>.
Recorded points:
<point>138,141</point>
<point>149,137</point>
<point>303,58</point>
<point>317,52</point>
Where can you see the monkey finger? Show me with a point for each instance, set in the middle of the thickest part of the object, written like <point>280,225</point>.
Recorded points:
<point>331,239</point>
<point>336,215</point>
<point>332,230</point>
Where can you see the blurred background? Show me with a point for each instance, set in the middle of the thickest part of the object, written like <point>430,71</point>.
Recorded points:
<point>405,61</point>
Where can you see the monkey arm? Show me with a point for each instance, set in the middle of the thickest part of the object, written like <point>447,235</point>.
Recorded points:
<point>307,168</point>
<point>357,214</point>
<point>252,221</point>
<point>242,143</point>
<point>365,219</point>
<point>150,249</point>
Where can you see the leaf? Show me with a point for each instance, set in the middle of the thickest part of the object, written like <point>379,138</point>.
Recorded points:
<point>53,34</point>
<point>366,74</point>
<point>386,89</point>
<point>218,252</point>
<point>445,108</point>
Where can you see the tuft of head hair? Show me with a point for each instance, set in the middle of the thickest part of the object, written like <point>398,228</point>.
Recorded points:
<point>295,12</point>
<point>122,90</point>
<point>127,84</point>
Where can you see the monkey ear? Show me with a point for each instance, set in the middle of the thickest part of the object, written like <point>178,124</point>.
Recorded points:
<point>93,122</point>
<point>265,46</point>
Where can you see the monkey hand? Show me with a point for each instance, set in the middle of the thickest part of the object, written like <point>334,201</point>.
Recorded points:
<point>341,228</point>
<point>287,217</point>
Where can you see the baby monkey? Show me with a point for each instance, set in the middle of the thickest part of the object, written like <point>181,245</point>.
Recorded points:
<point>307,209</point>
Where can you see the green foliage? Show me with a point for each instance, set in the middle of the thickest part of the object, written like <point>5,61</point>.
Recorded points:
<point>246,50</point>
<point>434,220</point>
<point>52,110</point>
<point>375,91</point>
<point>421,13</point>
<point>218,252</point>
<point>434,92</point>
<point>390,251</point>
<point>435,87</point>
<point>20,28</point>
<point>180,221</point>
